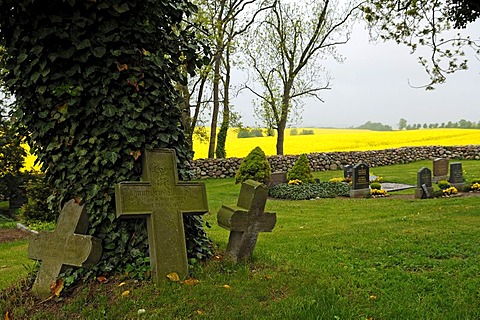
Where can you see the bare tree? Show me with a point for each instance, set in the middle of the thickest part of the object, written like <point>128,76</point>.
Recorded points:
<point>285,50</point>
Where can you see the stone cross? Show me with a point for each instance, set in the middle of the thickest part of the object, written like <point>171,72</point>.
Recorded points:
<point>246,220</point>
<point>67,245</point>
<point>162,200</point>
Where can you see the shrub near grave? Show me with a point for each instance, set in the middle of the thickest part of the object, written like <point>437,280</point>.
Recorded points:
<point>301,170</point>
<point>255,166</point>
<point>309,190</point>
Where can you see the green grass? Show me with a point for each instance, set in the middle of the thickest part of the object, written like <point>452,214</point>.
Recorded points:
<point>386,258</point>
<point>14,263</point>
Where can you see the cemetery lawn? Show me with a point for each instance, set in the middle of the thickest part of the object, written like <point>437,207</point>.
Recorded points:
<point>384,258</point>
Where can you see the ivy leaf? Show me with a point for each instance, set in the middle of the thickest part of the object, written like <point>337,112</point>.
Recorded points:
<point>121,8</point>
<point>99,51</point>
<point>21,57</point>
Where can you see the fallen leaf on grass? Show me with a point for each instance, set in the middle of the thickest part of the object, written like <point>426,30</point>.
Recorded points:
<point>121,284</point>
<point>125,293</point>
<point>217,258</point>
<point>200,312</point>
<point>141,311</point>
<point>226,286</point>
<point>173,277</point>
<point>56,287</point>
<point>268,277</point>
<point>7,316</point>
<point>372,297</point>
<point>102,279</point>
<point>191,282</point>
<point>3,267</point>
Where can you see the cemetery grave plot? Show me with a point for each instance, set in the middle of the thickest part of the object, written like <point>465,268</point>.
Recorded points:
<point>8,235</point>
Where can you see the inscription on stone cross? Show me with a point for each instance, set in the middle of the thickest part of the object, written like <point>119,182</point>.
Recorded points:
<point>246,220</point>
<point>162,200</point>
<point>66,246</point>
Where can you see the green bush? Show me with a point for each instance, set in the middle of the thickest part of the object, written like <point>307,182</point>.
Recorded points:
<point>306,132</point>
<point>443,184</point>
<point>376,186</point>
<point>243,133</point>
<point>36,209</point>
<point>293,132</point>
<point>255,166</point>
<point>309,190</point>
<point>247,133</point>
<point>301,170</point>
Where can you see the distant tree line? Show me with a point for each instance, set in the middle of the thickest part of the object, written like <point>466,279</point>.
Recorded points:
<point>375,126</point>
<point>462,124</point>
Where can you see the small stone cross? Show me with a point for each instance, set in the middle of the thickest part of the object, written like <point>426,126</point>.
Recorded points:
<point>246,220</point>
<point>162,200</point>
<point>67,245</point>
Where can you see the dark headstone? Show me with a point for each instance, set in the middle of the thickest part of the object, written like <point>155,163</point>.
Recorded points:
<point>162,200</point>
<point>347,171</point>
<point>360,181</point>
<point>424,184</point>
<point>277,177</point>
<point>456,175</point>
<point>66,246</point>
<point>246,220</point>
<point>440,169</point>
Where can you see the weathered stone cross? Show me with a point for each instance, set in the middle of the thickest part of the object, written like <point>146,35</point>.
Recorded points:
<point>67,245</point>
<point>246,220</point>
<point>162,200</point>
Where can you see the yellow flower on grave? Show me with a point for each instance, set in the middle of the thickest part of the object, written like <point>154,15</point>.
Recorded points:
<point>295,182</point>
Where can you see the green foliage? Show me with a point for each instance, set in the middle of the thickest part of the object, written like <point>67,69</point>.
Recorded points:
<point>220,151</point>
<point>301,170</point>
<point>94,87</point>
<point>375,186</point>
<point>36,209</point>
<point>306,132</point>
<point>249,133</point>
<point>293,132</point>
<point>375,126</point>
<point>475,180</point>
<point>309,190</point>
<point>443,184</point>
<point>255,166</point>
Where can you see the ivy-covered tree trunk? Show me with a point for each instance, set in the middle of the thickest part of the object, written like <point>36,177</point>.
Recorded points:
<point>93,82</point>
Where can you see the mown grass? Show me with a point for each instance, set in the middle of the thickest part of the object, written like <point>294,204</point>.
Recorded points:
<point>386,258</point>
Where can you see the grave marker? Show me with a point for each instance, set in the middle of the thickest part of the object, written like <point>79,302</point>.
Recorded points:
<point>456,175</point>
<point>67,245</point>
<point>347,171</point>
<point>162,200</point>
<point>360,181</point>
<point>246,220</point>
<point>440,169</point>
<point>424,187</point>
<point>277,177</point>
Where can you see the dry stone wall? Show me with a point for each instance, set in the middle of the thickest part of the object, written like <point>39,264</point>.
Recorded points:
<point>225,168</point>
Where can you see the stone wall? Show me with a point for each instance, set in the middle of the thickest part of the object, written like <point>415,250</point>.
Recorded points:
<point>224,168</point>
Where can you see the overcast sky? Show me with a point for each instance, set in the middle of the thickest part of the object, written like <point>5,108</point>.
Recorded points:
<point>372,85</point>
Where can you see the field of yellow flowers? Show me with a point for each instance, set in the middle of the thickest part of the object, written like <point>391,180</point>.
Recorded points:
<point>329,140</point>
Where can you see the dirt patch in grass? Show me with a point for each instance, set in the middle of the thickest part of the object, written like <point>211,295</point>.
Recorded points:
<point>8,235</point>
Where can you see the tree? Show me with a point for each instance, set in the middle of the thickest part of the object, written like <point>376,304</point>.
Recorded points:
<point>226,20</point>
<point>284,51</point>
<point>94,88</point>
<point>255,166</point>
<point>402,124</point>
<point>421,23</point>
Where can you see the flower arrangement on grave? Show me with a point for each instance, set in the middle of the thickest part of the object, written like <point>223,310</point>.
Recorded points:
<point>295,182</point>
<point>449,191</point>
<point>377,178</point>
<point>376,190</point>
<point>475,187</point>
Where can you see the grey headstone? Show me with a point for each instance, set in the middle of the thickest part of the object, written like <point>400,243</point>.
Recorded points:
<point>277,177</point>
<point>246,220</point>
<point>162,200</point>
<point>66,246</point>
<point>440,169</point>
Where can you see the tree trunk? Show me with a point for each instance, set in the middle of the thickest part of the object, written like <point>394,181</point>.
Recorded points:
<point>216,104</point>
<point>281,136</point>
<point>221,151</point>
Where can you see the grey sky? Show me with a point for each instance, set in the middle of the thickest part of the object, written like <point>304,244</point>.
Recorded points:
<point>372,85</point>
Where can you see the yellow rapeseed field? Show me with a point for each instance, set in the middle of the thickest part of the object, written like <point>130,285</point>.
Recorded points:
<point>329,140</point>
